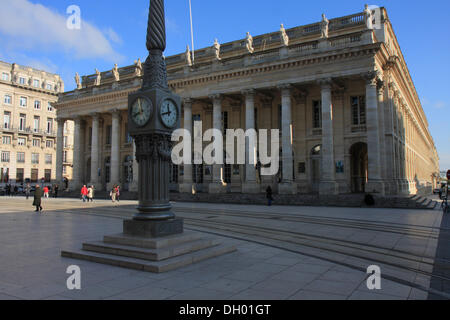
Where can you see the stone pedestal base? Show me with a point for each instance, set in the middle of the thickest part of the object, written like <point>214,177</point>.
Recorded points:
<point>287,188</point>
<point>328,188</point>
<point>216,188</point>
<point>375,187</point>
<point>153,229</point>
<point>252,188</point>
<point>187,188</point>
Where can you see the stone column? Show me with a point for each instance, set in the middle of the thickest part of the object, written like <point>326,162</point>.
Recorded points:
<point>134,187</point>
<point>78,155</point>
<point>375,183</point>
<point>328,185</point>
<point>250,185</point>
<point>95,163</point>
<point>216,186</point>
<point>115,150</point>
<point>60,152</point>
<point>287,185</point>
<point>187,185</point>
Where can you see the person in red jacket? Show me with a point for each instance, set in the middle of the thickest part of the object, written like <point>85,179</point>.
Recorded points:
<point>46,192</point>
<point>84,193</point>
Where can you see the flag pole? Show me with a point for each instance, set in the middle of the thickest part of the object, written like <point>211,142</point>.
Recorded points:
<point>192,32</point>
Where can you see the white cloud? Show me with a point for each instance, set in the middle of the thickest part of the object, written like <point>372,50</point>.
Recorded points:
<point>34,26</point>
<point>113,36</point>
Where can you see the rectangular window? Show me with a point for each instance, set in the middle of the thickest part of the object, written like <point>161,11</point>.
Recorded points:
<point>65,142</point>
<point>64,170</point>
<point>34,175</point>
<point>49,107</point>
<point>49,125</point>
<point>5,76</point>
<point>19,175</point>
<point>48,159</point>
<point>358,110</point>
<point>49,143</point>
<point>317,114</point>
<point>6,139</point>
<point>23,102</point>
<point>22,81</point>
<point>8,99</point>
<point>36,142</point>
<point>22,141</point>
<point>224,121</point>
<point>22,122</point>
<point>49,86</point>
<point>35,158</point>
<point>37,121</point>
<point>65,157</point>
<point>37,105</point>
<point>108,134</point>
<point>48,175</point>
<point>7,120</point>
<point>20,157</point>
<point>36,83</point>
<point>5,156</point>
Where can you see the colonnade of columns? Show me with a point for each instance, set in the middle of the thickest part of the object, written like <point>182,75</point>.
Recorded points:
<point>328,184</point>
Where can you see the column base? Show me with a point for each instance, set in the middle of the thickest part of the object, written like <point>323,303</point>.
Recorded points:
<point>287,188</point>
<point>153,229</point>
<point>375,187</point>
<point>252,187</point>
<point>216,188</point>
<point>187,188</point>
<point>328,188</point>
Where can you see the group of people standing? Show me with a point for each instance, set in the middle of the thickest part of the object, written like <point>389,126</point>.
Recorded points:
<point>115,194</point>
<point>87,194</point>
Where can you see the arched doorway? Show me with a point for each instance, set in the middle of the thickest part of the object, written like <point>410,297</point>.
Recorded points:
<point>127,172</point>
<point>316,161</point>
<point>359,167</point>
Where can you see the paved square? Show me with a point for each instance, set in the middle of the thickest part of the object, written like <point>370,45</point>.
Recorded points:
<point>309,253</point>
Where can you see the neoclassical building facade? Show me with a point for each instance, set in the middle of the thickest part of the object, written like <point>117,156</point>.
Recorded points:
<point>339,91</point>
<point>29,131</point>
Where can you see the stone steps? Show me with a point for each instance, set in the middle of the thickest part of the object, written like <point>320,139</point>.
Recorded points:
<point>150,266</point>
<point>151,254</point>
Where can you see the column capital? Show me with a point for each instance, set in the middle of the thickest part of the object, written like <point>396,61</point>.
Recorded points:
<point>95,116</point>
<point>115,113</point>
<point>216,96</point>
<point>248,92</point>
<point>381,85</point>
<point>325,83</point>
<point>188,102</point>
<point>371,77</point>
<point>284,86</point>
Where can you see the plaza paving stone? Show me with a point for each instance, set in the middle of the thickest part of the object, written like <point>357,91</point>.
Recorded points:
<point>31,266</point>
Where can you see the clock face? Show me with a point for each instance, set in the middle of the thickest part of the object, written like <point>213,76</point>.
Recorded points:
<point>141,111</point>
<point>169,113</point>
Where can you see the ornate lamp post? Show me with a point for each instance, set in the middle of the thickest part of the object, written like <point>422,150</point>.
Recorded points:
<point>154,113</point>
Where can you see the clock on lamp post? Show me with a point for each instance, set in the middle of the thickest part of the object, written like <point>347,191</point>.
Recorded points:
<point>154,113</point>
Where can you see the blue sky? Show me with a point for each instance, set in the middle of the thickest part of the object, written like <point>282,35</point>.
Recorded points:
<point>114,32</point>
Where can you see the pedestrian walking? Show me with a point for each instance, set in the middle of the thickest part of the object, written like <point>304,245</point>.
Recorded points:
<point>113,194</point>
<point>90,195</point>
<point>84,193</point>
<point>269,196</point>
<point>118,194</point>
<point>27,191</point>
<point>46,195</point>
<point>38,199</point>
<point>55,194</point>
<point>16,191</point>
